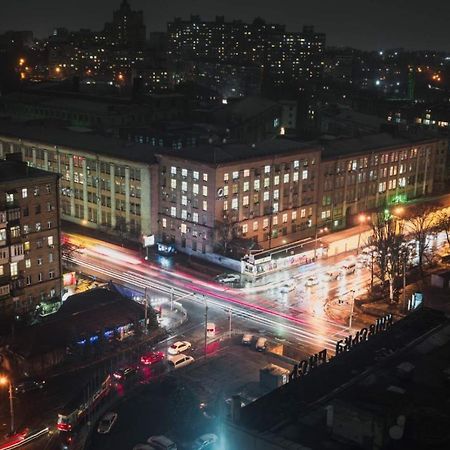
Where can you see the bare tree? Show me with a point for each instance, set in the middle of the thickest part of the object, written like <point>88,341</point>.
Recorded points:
<point>421,223</point>
<point>443,223</point>
<point>389,254</point>
<point>226,231</point>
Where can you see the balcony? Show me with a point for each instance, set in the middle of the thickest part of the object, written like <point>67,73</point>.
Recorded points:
<point>4,291</point>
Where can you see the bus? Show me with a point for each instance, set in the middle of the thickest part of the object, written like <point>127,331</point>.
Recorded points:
<point>76,410</point>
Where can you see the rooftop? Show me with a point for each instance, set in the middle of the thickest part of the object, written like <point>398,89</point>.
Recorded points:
<point>13,170</point>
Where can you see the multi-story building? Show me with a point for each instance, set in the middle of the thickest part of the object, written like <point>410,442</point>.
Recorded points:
<point>361,174</point>
<point>286,56</point>
<point>267,192</point>
<point>105,183</point>
<point>30,268</point>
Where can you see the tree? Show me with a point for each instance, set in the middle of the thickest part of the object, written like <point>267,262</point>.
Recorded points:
<point>443,223</point>
<point>389,256</point>
<point>421,223</point>
<point>226,231</point>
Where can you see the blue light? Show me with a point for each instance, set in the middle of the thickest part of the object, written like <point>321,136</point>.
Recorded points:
<point>93,339</point>
<point>82,342</point>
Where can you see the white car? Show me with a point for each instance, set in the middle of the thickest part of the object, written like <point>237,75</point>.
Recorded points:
<point>247,339</point>
<point>204,441</point>
<point>178,361</point>
<point>228,278</point>
<point>106,423</point>
<point>179,347</point>
<point>312,281</point>
<point>287,287</point>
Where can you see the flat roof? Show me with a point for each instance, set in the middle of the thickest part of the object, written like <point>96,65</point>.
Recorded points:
<point>13,170</point>
<point>228,153</point>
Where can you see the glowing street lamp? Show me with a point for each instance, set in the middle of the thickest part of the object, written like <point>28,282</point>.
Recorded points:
<point>3,382</point>
<point>318,231</point>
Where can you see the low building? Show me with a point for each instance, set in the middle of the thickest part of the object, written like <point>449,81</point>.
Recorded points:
<point>384,392</point>
<point>30,266</point>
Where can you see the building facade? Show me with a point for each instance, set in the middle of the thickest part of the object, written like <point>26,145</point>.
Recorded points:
<point>213,195</point>
<point>30,267</point>
<point>363,174</point>
<point>100,188</point>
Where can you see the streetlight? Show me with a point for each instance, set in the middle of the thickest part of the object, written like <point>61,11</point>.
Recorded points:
<point>6,381</point>
<point>352,310</point>
<point>362,218</point>
<point>318,231</point>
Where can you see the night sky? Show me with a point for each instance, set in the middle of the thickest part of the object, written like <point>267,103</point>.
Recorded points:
<point>367,24</point>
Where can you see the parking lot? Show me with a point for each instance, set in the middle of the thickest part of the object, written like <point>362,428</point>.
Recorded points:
<point>173,405</point>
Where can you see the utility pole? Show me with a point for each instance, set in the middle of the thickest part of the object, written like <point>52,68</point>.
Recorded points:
<point>352,309</point>
<point>229,322</point>
<point>146,311</point>
<point>206,323</point>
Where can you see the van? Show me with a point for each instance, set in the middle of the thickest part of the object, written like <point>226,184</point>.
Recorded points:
<point>349,269</point>
<point>177,361</point>
<point>161,442</point>
<point>261,344</point>
<point>211,329</point>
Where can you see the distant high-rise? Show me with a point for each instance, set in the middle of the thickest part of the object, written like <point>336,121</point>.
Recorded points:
<point>127,30</point>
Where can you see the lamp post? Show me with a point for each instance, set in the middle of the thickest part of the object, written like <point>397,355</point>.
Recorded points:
<point>362,218</point>
<point>352,310</point>
<point>7,381</point>
<point>318,231</point>
<point>206,323</point>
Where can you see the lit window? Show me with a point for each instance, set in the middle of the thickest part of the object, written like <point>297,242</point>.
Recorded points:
<point>245,200</point>
<point>173,211</point>
<point>173,183</point>
<point>295,176</point>
<point>26,246</point>
<point>38,226</point>
<point>205,191</point>
<point>184,186</point>
<point>205,205</point>
<point>266,182</point>
<point>246,186</point>
<point>195,189</point>
<point>257,185</point>
<point>266,196</point>
<point>195,217</point>
<point>235,175</point>
<point>303,212</point>
<point>276,180</point>
<point>225,191</point>
<point>183,228</point>
<point>244,228</point>
<point>294,215</point>
<point>195,175</point>
<point>9,198</point>
<point>225,177</point>
<point>275,207</point>
<point>255,225</point>
<point>276,194</point>
<point>173,170</point>
<point>13,270</point>
<point>28,263</point>
<point>286,178</point>
<point>234,203</point>
<point>24,192</point>
<point>266,169</point>
<point>184,172</point>
<point>305,174</point>
<point>246,173</point>
<point>296,164</point>
<point>184,214</point>
<point>50,241</point>
<point>205,177</point>
<point>265,223</point>
<point>275,220</point>
<point>184,200</point>
<point>225,205</point>
<point>285,218</point>
<point>164,222</point>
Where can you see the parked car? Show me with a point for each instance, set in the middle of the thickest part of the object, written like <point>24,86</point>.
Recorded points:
<point>152,358</point>
<point>332,275</point>
<point>261,344</point>
<point>179,347</point>
<point>178,361</point>
<point>287,287</point>
<point>228,278</point>
<point>162,442</point>
<point>247,339</point>
<point>204,441</point>
<point>124,373</point>
<point>106,423</point>
<point>28,386</point>
<point>312,281</point>
<point>349,269</point>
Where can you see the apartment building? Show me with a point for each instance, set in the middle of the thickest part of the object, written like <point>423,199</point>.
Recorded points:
<point>105,183</point>
<point>359,175</point>
<point>30,268</point>
<point>266,192</point>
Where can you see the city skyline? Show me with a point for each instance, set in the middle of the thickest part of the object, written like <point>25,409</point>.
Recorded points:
<point>366,25</point>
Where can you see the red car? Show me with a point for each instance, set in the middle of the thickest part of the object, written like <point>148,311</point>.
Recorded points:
<point>152,358</point>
